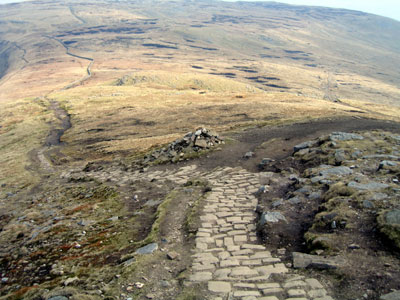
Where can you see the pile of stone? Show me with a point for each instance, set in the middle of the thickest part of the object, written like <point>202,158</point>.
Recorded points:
<point>192,142</point>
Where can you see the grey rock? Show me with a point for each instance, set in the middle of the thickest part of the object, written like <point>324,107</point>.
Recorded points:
<point>339,171</point>
<point>248,155</point>
<point>295,200</point>
<point>340,156</point>
<point>344,136</point>
<point>378,196</point>
<point>201,143</point>
<point>391,296</point>
<point>301,260</point>
<point>152,203</point>
<point>113,219</point>
<point>148,249</point>
<point>315,195</point>
<point>4,280</point>
<point>356,154</point>
<point>277,203</point>
<point>58,298</point>
<point>371,186</point>
<point>368,204</point>
<point>303,151</point>
<point>304,190</point>
<point>271,217</point>
<point>85,222</point>
<point>386,163</point>
<point>128,262</point>
<point>381,156</point>
<point>393,217</point>
<point>317,179</point>
<point>304,145</point>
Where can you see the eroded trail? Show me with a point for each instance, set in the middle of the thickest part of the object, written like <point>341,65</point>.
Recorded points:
<point>40,157</point>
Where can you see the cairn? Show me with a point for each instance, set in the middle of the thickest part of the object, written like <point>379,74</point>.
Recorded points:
<point>191,143</point>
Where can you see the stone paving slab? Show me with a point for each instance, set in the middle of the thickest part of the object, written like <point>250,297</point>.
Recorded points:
<point>228,256</point>
<point>227,242</point>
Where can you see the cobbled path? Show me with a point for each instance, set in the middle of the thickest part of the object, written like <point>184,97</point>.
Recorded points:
<point>228,257</point>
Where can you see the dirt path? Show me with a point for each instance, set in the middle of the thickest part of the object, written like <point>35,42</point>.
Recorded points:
<point>278,141</point>
<point>88,68</point>
<point>40,157</point>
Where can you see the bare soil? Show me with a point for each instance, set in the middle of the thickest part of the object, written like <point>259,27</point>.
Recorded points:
<point>78,199</point>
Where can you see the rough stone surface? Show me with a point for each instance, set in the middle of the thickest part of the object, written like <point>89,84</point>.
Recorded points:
<point>336,171</point>
<point>344,136</point>
<point>304,145</point>
<point>391,296</point>
<point>371,186</point>
<point>271,217</point>
<point>148,249</point>
<point>219,286</point>
<point>238,266</point>
<point>301,260</point>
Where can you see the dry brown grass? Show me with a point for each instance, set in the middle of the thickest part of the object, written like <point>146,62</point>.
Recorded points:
<point>155,108</point>
<point>24,127</point>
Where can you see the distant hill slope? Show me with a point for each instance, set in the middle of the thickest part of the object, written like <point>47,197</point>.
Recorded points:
<point>314,51</point>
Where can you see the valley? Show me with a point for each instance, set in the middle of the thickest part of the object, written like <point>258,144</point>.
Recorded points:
<point>146,146</point>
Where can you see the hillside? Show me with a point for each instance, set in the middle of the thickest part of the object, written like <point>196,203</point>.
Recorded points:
<point>197,150</point>
<point>317,52</point>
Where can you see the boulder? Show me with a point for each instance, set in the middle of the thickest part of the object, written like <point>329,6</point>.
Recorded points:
<point>148,249</point>
<point>339,171</point>
<point>387,164</point>
<point>304,145</point>
<point>391,296</point>
<point>248,155</point>
<point>271,217</point>
<point>389,225</point>
<point>344,136</point>
<point>302,261</point>
<point>370,186</point>
<point>201,143</point>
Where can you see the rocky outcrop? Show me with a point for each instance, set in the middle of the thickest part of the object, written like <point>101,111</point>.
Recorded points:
<point>186,147</point>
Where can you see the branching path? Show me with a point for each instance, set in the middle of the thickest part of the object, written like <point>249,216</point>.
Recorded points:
<point>88,69</point>
<point>40,156</point>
